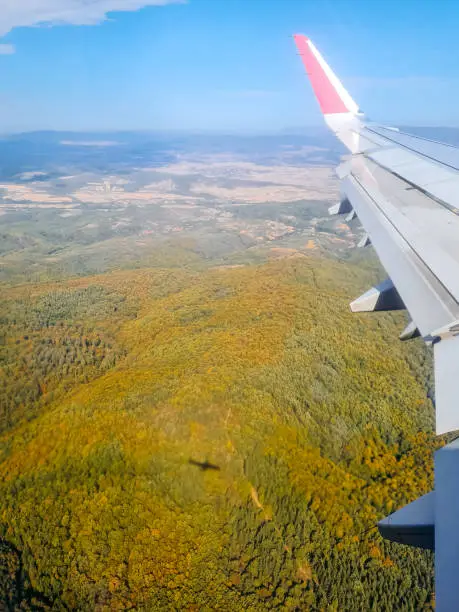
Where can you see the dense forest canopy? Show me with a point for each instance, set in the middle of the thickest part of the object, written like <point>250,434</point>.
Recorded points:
<point>209,437</point>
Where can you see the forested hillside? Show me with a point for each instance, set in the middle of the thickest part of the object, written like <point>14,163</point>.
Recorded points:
<point>209,438</point>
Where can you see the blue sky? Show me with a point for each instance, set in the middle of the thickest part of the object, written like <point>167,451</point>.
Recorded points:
<point>225,65</point>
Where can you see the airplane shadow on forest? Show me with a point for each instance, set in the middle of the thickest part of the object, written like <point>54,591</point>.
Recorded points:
<point>204,466</point>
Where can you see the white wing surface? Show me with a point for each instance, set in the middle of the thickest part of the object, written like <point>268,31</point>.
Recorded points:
<point>405,191</point>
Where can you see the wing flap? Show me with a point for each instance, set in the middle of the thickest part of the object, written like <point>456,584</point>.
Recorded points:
<point>430,228</point>
<point>431,307</point>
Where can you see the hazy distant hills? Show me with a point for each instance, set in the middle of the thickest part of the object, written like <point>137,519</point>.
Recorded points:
<point>53,151</point>
<point>113,151</point>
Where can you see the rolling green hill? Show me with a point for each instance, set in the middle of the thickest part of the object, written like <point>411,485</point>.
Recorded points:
<point>209,438</point>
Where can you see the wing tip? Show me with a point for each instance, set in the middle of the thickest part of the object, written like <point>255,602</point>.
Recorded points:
<point>330,93</point>
<point>301,41</point>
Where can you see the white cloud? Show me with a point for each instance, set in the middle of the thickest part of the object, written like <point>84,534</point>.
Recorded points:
<point>6,49</point>
<point>23,13</point>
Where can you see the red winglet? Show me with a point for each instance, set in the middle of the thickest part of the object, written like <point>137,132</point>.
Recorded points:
<point>329,99</point>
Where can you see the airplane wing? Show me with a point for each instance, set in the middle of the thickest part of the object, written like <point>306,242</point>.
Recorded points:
<point>405,191</point>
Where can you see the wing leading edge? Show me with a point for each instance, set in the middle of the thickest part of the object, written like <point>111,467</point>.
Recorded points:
<point>404,191</point>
